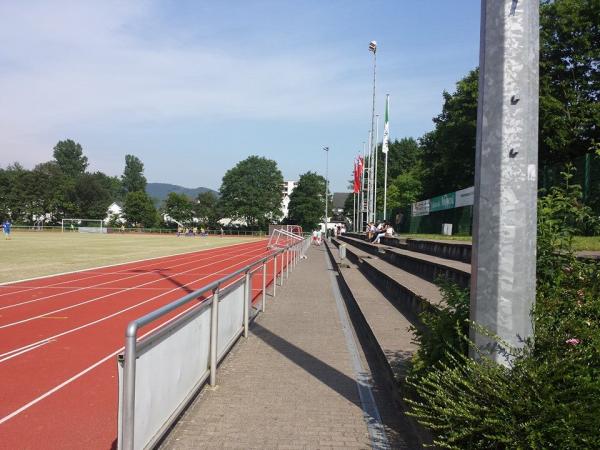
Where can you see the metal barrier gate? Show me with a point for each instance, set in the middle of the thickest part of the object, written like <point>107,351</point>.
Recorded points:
<point>159,373</point>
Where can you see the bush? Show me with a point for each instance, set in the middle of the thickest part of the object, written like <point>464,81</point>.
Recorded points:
<point>549,397</point>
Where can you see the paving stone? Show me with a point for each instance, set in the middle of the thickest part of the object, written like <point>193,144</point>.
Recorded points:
<point>290,384</point>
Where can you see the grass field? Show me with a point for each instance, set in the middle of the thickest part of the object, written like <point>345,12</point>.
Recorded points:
<point>589,243</point>
<point>31,254</point>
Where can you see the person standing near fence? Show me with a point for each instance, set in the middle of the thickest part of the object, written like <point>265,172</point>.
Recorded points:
<point>6,226</point>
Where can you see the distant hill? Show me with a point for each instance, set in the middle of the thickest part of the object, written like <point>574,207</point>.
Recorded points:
<point>160,191</point>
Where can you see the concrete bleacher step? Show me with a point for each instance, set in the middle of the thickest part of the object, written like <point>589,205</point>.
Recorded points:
<point>409,293</point>
<point>382,327</point>
<point>425,266</point>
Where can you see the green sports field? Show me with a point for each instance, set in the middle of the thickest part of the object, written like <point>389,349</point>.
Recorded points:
<point>33,254</point>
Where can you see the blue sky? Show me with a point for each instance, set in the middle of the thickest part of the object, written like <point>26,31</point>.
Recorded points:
<point>192,87</point>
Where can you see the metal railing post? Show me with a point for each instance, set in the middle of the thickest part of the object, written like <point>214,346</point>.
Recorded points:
<point>287,263</point>
<point>264,287</point>
<point>281,270</point>
<point>129,387</point>
<point>247,293</point>
<point>274,275</point>
<point>214,335</point>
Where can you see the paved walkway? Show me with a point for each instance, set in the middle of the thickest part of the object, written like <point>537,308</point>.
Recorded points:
<point>292,384</point>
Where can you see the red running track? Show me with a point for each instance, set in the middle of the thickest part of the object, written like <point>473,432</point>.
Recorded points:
<point>59,337</point>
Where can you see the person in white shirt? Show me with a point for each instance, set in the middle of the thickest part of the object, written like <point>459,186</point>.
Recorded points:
<point>381,233</point>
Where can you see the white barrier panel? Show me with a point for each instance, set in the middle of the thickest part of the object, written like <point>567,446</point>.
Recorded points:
<point>172,366</point>
<point>161,372</point>
<point>231,318</point>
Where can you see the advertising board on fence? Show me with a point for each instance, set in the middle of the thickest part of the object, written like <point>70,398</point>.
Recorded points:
<point>465,197</point>
<point>442,202</point>
<point>420,208</point>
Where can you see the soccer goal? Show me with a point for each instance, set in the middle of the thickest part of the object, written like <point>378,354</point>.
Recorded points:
<point>281,237</point>
<point>83,226</point>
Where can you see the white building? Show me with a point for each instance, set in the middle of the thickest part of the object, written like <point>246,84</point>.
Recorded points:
<point>115,210</point>
<point>287,188</point>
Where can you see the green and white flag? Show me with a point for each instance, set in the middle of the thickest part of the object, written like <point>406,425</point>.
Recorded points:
<point>386,126</point>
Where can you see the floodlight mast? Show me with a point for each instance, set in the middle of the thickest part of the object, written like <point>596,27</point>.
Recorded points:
<point>371,215</point>
<point>326,185</point>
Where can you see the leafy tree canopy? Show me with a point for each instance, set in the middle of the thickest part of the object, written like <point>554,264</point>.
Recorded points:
<point>252,191</point>
<point>179,207</point>
<point>449,150</point>
<point>139,209</point>
<point>69,157</point>
<point>92,195</point>
<point>569,78</point>
<point>206,208</point>
<point>133,178</point>
<point>307,202</point>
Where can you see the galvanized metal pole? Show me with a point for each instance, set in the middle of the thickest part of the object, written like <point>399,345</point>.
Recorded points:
<point>247,301</point>
<point>504,227</point>
<point>214,333</point>
<point>372,153</point>
<point>128,420</point>
<point>264,287</point>
<point>326,186</point>
<point>274,275</point>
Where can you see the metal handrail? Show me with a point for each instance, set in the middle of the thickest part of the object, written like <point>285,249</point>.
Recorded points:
<point>292,253</point>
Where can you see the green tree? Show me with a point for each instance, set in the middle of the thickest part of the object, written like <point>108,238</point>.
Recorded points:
<point>92,196</point>
<point>69,157</point>
<point>179,207</point>
<point>53,192</point>
<point>139,209</point>
<point>307,202</point>
<point>403,156</point>
<point>449,150</point>
<point>206,208</point>
<point>252,191</point>
<point>405,189</point>
<point>569,78</point>
<point>133,178</point>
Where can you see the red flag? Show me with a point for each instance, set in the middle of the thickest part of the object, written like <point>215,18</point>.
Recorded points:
<point>358,169</point>
<point>356,179</point>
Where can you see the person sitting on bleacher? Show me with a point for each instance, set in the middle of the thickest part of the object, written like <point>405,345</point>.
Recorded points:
<point>382,232</point>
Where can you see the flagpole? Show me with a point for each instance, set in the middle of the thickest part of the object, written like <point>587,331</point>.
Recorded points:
<point>375,176</point>
<point>385,191</point>
<point>354,214</point>
<point>362,187</point>
<point>386,137</point>
<point>370,180</point>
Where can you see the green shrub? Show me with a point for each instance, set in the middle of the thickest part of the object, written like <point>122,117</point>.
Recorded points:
<point>549,397</point>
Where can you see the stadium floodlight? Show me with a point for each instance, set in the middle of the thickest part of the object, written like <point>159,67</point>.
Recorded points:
<point>373,46</point>
<point>326,185</point>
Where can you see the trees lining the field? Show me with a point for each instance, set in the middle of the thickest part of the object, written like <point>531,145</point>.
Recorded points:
<point>139,209</point>
<point>251,191</point>
<point>133,178</point>
<point>307,201</point>
<point>179,207</point>
<point>68,154</point>
<point>57,189</point>
<point>207,209</point>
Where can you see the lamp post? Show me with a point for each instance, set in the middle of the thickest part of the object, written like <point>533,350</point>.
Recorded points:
<point>326,185</point>
<point>372,153</point>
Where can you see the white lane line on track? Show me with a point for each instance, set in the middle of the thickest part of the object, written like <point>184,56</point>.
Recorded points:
<point>82,373</point>
<point>95,299</point>
<point>100,284</point>
<point>28,349</point>
<point>16,283</point>
<point>72,330</point>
